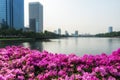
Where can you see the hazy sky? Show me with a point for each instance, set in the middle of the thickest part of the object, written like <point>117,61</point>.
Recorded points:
<point>86,16</point>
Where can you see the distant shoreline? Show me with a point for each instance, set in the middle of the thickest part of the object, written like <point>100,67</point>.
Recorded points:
<point>43,39</point>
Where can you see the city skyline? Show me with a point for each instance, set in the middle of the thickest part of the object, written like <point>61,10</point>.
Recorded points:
<point>86,16</point>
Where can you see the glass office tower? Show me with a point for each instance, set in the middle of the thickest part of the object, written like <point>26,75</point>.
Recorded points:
<point>12,13</point>
<point>3,11</point>
<point>36,16</point>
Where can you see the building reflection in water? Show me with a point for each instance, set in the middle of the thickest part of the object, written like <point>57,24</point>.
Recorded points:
<point>33,45</point>
<point>26,44</point>
<point>76,41</point>
<point>37,45</point>
<point>110,44</point>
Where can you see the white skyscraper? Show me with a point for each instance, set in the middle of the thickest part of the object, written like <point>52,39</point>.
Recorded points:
<point>36,16</point>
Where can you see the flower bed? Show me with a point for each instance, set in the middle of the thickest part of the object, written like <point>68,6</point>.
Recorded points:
<point>18,63</point>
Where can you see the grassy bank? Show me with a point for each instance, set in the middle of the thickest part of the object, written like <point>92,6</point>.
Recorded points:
<point>16,39</point>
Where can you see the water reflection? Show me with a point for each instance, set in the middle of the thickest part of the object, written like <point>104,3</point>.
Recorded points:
<point>76,41</point>
<point>59,42</point>
<point>66,41</point>
<point>33,45</point>
<point>26,45</point>
<point>8,43</point>
<point>78,46</point>
<point>110,44</point>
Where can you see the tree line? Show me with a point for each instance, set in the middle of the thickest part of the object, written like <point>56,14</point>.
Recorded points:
<point>111,34</point>
<point>5,32</point>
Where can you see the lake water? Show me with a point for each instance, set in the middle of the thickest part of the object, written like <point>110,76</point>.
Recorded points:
<point>78,45</point>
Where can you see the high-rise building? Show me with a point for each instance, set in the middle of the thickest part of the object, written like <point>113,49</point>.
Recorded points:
<point>12,13</point>
<point>110,29</point>
<point>66,33</point>
<point>36,16</point>
<point>59,31</point>
<point>3,11</point>
<point>55,31</point>
<point>76,33</point>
